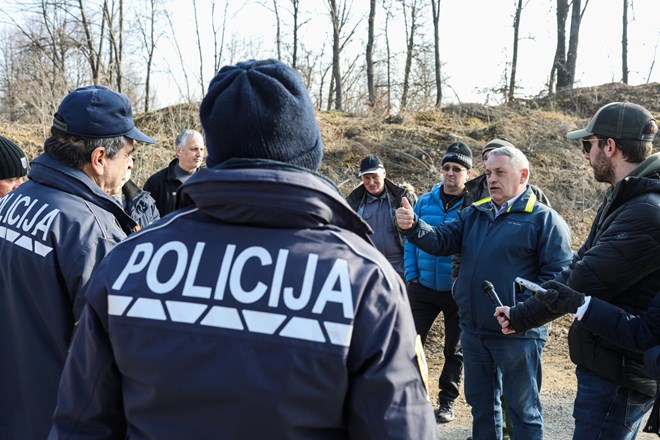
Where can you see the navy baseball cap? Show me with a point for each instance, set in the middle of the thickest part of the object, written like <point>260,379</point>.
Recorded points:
<point>370,164</point>
<point>618,120</point>
<point>98,112</point>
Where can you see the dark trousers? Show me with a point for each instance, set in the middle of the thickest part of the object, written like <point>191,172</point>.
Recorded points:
<point>426,305</point>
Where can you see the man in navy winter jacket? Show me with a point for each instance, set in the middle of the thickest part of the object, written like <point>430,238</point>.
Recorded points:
<point>259,309</point>
<point>54,230</point>
<point>506,236</point>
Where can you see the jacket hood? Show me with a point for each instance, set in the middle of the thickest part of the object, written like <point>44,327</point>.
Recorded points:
<point>48,171</point>
<point>269,193</point>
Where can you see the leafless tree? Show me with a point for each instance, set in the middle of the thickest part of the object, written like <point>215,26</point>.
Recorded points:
<point>148,25</point>
<point>564,65</point>
<point>370,54</point>
<point>435,4</point>
<point>624,44</point>
<point>514,58</point>
<point>410,16</point>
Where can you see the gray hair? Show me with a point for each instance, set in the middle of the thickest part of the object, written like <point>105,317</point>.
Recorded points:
<point>184,135</point>
<point>518,158</point>
<point>76,151</point>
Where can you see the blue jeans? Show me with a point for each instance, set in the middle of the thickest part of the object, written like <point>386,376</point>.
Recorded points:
<point>497,362</point>
<point>604,410</point>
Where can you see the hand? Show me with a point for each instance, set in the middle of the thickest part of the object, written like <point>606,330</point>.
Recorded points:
<point>560,298</point>
<point>502,315</point>
<point>405,217</point>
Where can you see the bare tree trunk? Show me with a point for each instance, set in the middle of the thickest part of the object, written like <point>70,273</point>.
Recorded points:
<point>410,47</point>
<point>559,70</point>
<point>624,44</point>
<point>577,12</point>
<point>388,49</point>
<point>278,36</point>
<point>294,58</point>
<point>91,52</point>
<point>514,58</point>
<point>336,48</point>
<point>199,49</point>
<point>435,4</point>
<point>219,48</point>
<point>370,55</point>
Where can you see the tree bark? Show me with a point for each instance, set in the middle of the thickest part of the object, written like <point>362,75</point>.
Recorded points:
<point>370,55</point>
<point>435,4</point>
<point>624,44</point>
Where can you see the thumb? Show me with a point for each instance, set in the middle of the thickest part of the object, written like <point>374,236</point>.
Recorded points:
<point>405,203</point>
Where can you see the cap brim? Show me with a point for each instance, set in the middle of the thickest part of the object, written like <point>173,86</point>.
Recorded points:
<point>578,134</point>
<point>370,170</point>
<point>137,135</point>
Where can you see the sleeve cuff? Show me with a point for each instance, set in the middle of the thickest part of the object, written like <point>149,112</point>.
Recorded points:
<point>583,308</point>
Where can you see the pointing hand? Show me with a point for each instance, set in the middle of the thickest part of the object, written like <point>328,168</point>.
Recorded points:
<point>405,217</point>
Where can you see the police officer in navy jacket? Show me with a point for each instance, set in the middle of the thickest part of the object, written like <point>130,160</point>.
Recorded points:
<point>259,309</point>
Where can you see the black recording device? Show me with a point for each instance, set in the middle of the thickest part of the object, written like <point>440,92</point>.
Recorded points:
<point>489,291</point>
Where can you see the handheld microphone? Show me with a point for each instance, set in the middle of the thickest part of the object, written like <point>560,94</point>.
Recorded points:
<point>489,291</point>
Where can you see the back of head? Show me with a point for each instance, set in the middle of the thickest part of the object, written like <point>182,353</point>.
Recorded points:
<point>260,110</point>
<point>13,162</point>
<point>90,117</point>
<point>495,143</point>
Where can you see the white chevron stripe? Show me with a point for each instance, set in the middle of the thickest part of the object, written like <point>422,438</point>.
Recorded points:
<point>117,304</point>
<point>339,334</point>
<point>185,311</point>
<point>147,308</point>
<point>303,328</point>
<point>262,322</point>
<point>223,317</point>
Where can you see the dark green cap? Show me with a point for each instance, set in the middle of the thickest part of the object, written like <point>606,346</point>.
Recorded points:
<point>618,120</point>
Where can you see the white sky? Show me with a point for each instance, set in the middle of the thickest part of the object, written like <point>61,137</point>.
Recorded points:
<point>476,41</point>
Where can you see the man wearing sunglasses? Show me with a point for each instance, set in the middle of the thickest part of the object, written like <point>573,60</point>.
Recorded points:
<point>430,279</point>
<point>619,263</point>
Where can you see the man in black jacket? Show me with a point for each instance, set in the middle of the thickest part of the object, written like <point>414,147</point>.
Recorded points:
<point>618,263</point>
<point>375,201</point>
<point>163,184</point>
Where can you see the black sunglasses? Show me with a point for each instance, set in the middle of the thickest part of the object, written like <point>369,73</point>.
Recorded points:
<point>587,143</point>
<point>448,168</point>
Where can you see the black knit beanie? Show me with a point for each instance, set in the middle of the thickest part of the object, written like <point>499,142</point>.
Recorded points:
<point>13,162</point>
<point>261,110</point>
<point>460,153</point>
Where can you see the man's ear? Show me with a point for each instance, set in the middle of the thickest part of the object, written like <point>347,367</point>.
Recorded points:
<point>524,175</point>
<point>609,148</point>
<point>98,159</point>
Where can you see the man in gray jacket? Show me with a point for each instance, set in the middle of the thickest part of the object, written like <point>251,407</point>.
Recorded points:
<point>54,230</point>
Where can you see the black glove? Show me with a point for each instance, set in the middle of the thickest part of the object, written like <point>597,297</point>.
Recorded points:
<point>560,298</point>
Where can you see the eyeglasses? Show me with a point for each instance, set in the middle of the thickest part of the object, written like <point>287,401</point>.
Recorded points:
<point>448,168</point>
<point>587,144</point>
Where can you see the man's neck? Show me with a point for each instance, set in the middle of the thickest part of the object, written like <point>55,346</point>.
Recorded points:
<point>622,170</point>
<point>455,191</point>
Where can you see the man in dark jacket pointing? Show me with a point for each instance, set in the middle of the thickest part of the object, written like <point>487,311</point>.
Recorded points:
<point>259,309</point>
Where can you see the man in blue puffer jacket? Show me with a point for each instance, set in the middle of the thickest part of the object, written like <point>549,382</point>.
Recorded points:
<point>259,309</point>
<point>430,277</point>
<point>506,236</point>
